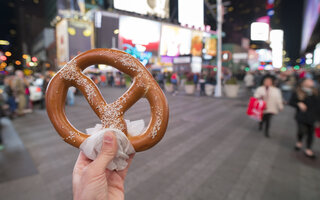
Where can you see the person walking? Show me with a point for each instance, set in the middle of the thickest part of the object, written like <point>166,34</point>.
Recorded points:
<point>3,107</point>
<point>11,101</point>
<point>202,82</point>
<point>305,100</point>
<point>249,82</point>
<point>174,81</point>
<point>160,79</point>
<point>45,84</point>
<point>273,98</point>
<point>103,80</point>
<point>19,90</point>
<point>70,96</point>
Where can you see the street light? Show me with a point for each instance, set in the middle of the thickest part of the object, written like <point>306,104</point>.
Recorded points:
<point>34,59</point>
<point>4,42</point>
<point>8,53</point>
<point>3,58</point>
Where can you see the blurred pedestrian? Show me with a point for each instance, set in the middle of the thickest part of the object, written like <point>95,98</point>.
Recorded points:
<point>195,79</point>
<point>70,96</point>
<point>273,98</point>
<point>45,84</point>
<point>249,82</point>
<point>160,79</point>
<point>305,100</point>
<point>174,82</point>
<point>3,107</point>
<point>202,82</point>
<point>11,101</point>
<point>258,79</point>
<point>103,80</point>
<point>19,91</point>
<point>111,80</point>
<point>27,94</point>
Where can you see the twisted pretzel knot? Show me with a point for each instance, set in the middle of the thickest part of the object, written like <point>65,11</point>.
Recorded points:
<point>111,115</point>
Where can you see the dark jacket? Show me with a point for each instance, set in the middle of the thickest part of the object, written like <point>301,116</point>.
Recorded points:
<point>312,112</point>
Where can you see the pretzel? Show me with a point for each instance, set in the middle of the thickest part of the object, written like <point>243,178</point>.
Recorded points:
<point>111,115</point>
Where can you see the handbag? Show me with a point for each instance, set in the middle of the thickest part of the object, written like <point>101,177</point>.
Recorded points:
<point>317,130</point>
<point>256,108</point>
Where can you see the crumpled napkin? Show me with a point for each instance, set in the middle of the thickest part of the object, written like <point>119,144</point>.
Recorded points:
<point>92,145</point>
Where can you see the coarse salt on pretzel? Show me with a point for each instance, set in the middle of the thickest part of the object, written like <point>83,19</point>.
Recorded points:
<point>111,115</point>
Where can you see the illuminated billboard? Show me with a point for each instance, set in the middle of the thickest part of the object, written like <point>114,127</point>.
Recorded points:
<point>310,18</point>
<point>106,29</point>
<point>159,8</point>
<point>316,55</point>
<point>73,37</point>
<point>196,43</point>
<point>191,12</point>
<point>140,33</point>
<point>259,31</point>
<point>210,45</point>
<point>62,42</point>
<point>264,55</point>
<point>276,39</point>
<point>175,41</point>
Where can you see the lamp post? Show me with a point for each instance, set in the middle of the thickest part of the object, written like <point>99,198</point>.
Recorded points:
<point>218,89</point>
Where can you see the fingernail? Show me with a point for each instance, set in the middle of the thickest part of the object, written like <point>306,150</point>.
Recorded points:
<point>108,138</point>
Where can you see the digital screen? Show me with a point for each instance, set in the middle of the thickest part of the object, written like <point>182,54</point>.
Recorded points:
<point>107,30</point>
<point>62,42</point>
<point>311,15</point>
<point>196,43</point>
<point>140,33</point>
<point>159,8</point>
<point>191,12</point>
<point>265,55</point>
<point>175,41</point>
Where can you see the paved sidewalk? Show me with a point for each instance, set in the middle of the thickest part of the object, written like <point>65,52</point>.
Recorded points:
<point>211,150</point>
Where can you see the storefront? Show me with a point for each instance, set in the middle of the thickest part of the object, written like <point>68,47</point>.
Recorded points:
<point>73,37</point>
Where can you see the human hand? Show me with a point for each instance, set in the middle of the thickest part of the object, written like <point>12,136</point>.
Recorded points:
<point>92,179</point>
<point>302,107</point>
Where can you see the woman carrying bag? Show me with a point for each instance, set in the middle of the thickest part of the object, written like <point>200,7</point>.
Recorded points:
<point>273,98</point>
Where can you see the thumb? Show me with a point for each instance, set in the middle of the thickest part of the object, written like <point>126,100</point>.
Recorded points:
<point>108,152</point>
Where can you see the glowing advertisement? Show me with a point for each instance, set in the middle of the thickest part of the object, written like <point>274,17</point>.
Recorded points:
<point>259,31</point>
<point>175,41</point>
<point>310,18</point>
<point>62,42</point>
<point>196,43</point>
<point>191,12</point>
<point>159,8</point>
<point>142,34</point>
<point>276,39</point>
<point>80,37</point>
<point>316,55</point>
<point>265,55</point>
<point>73,37</point>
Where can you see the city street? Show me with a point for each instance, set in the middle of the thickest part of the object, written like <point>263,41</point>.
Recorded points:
<point>211,150</point>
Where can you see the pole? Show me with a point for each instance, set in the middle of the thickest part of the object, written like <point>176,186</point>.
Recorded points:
<point>219,36</point>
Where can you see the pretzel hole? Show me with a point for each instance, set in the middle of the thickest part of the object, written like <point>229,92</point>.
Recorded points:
<point>81,115</point>
<point>140,110</point>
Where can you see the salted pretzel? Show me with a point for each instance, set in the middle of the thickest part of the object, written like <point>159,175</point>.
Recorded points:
<point>111,115</point>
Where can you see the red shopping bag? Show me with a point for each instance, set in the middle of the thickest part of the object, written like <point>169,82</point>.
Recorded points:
<point>255,108</point>
<point>317,131</point>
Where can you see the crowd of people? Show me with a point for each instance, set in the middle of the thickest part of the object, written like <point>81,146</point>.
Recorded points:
<point>297,89</point>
